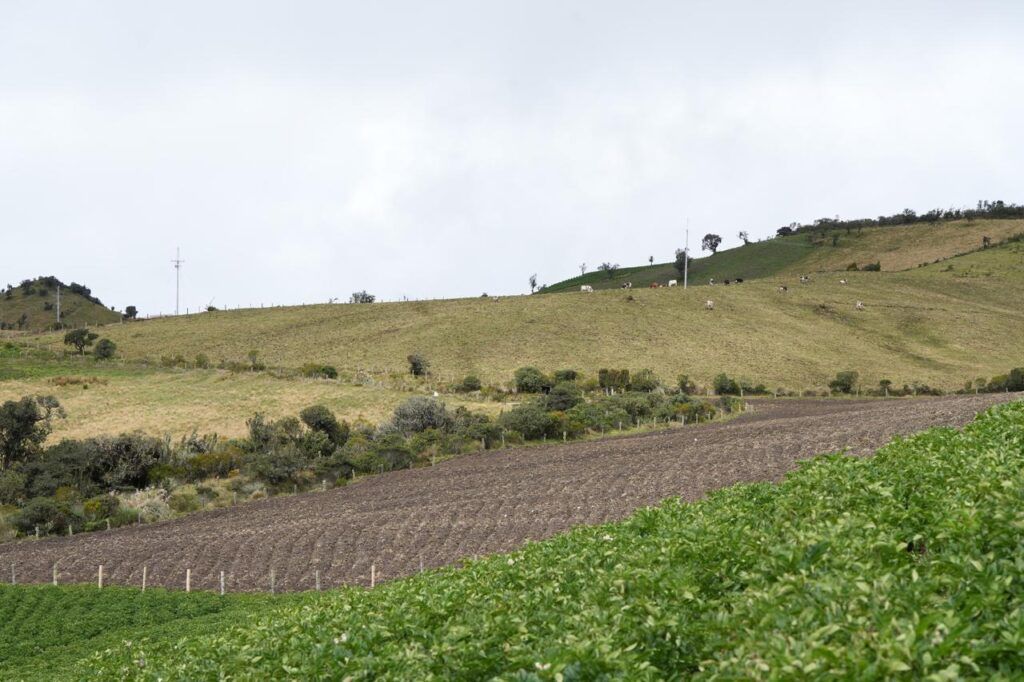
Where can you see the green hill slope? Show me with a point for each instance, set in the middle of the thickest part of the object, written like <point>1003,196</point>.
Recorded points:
<point>894,248</point>
<point>907,564</point>
<point>942,324</point>
<point>32,306</point>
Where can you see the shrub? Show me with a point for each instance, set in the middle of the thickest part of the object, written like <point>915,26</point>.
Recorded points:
<point>644,381</point>
<point>731,404</point>
<point>319,418</point>
<point>80,339</point>
<point>105,349</point>
<point>723,385</point>
<point>531,420</point>
<point>531,380</point>
<point>150,504</point>
<point>101,507</point>
<point>202,361</point>
<point>315,370</point>
<point>362,297</point>
<point>392,452</point>
<point>599,415</point>
<point>418,365</point>
<point>872,267</point>
<point>686,386</point>
<point>566,375</point>
<point>184,501</point>
<point>219,464</point>
<point>420,413</point>
<point>851,267</point>
<point>277,467</point>
<point>611,379</point>
<point>563,396</point>
<point>47,513</point>
<point>12,486</point>
<point>845,382</point>
<point>470,383</point>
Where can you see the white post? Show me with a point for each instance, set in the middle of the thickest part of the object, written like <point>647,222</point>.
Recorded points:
<point>318,580</point>
<point>143,578</point>
<point>421,563</point>
<point>37,532</point>
<point>188,579</point>
<point>55,575</point>
<point>686,256</point>
<point>373,575</point>
<point>99,577</point>
<point>222,583</point>
<point>13,581</point>
<point>272,581</point>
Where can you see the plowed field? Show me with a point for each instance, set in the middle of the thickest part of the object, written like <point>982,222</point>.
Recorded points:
<point>478,504</point>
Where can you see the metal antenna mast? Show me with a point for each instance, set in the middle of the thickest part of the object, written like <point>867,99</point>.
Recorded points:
<point>686,256</point>
<point>177,280</point>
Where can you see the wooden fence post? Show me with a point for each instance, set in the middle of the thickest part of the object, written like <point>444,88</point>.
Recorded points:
<point>188,579</point>
<point>13,580</point>
<point>272,585</point>
<point>222,583</point>
<point>99,577</point>
<point>373,575</point>
<point>318,580</point>
<point>144,578</point>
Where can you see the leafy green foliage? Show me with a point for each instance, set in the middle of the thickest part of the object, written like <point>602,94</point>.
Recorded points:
<point>531,380</point>
<point>908,565</point>
<point>105,349</point>
<point>845,382</point>
<point>80,339</point>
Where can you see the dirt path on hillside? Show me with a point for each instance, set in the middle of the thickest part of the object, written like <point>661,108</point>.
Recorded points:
<point>479,504</point>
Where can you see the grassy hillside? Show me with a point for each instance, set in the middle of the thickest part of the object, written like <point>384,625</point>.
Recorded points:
<point>942,324</point>
<point>32,307</point>
<point>109,397</point>
<point>895,248</point>
<point>904,565</point>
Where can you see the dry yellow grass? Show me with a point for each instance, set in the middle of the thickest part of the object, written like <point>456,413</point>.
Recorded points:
<point>902,248</point>
<point>927,324</point>
<point>208,401</point>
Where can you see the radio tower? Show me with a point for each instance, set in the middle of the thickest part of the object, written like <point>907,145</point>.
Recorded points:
<point>177,280</point>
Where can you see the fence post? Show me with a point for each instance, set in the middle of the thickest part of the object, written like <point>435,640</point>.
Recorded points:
<point>70,531</point>
<point>188,579</point>
<point>373,575</point>
<point>272,586</point>
<point>222,583</point>
<point>144,568</point>
<point>13,580</point>
<point>99,577</point>
<point>318,580</point>
<point>565,436</point>
<point>55,575</point>
<point>37,532</point>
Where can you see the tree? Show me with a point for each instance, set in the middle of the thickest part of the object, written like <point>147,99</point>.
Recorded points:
<point>710,242</point>
<point>362,297</point>
<point>533,282</point>
<point>784,231</point>
<point>24,425</point>
<point>744,236</point>
<point>319,418</point>
<point>650,260</point>
<point>131,312</point>
<point>105,349</point>
<point>609,269</point>
<point>680,263</point>
<point>844,382</point>
<point>80,338</point>
<point>531,380</point>
<point>583,269</point>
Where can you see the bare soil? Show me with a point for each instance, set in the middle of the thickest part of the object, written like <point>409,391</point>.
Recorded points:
<point>480,504</point>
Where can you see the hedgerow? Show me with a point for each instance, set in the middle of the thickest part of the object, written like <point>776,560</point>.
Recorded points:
<point>905,565</point>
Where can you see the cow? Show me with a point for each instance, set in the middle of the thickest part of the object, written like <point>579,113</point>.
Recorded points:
<point>654,285</point>
<point>844,282</point>
<point>627,285</point>
<point>672,283</point>
<point>804,279</point>
<point>783,289</point>
<point>587,288</point>
<point>739,280</point>
<point>711,281</point>
<point>709,304</point>
<point>726,282</point>
<point>860,305</point>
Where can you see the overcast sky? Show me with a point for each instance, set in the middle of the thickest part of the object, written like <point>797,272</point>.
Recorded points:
<point>297,151</point>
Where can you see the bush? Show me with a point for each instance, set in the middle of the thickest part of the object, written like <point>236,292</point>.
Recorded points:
<point>12,486</point>
<point>686,386</point>
<point>418,365</point>
<point>319,418</point>
<point>872,267</point>
<point>47,513</point>
<point>612,379</point>
<point>845,382</point>
<point>531,380</point>
<point>105,349</point>
<point>600,415</point>
<point>563,396</point>
<point>315,370</point>
<point>644,381</point>
<point>470,383</point>
<point>202,361</point>
<point>531,420</point>
<point>731,404</point>
<point>101,507</point>
<point>723,385</point>
<point>420,413</point>
<point>219,463</point>
<point>566,375</point>
<point>184,501</point>
<point>277,467</point>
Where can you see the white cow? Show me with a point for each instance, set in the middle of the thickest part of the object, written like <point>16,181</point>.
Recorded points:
<point>844,282</point>
<point>804,279</point>
<point>860,305</point>
<point>672,283</point>
<point>627,285</point>
<point>587,288</point>
<point>709,304</point>
<point>783,289</point>
<point>711,281</point>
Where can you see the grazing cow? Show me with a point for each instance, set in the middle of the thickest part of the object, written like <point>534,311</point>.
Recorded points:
<point>783,289</point>
<point>739,280</point>
<point>587,288</point>
<point>860,305</point>
<point>672,282</point>
<point>711,281</point>
<point>804,279</point>
<point>709,304</point>
<point>726,282</point>
<point>843,281</point>
<point>627,285</point>
<point>654,285</point>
